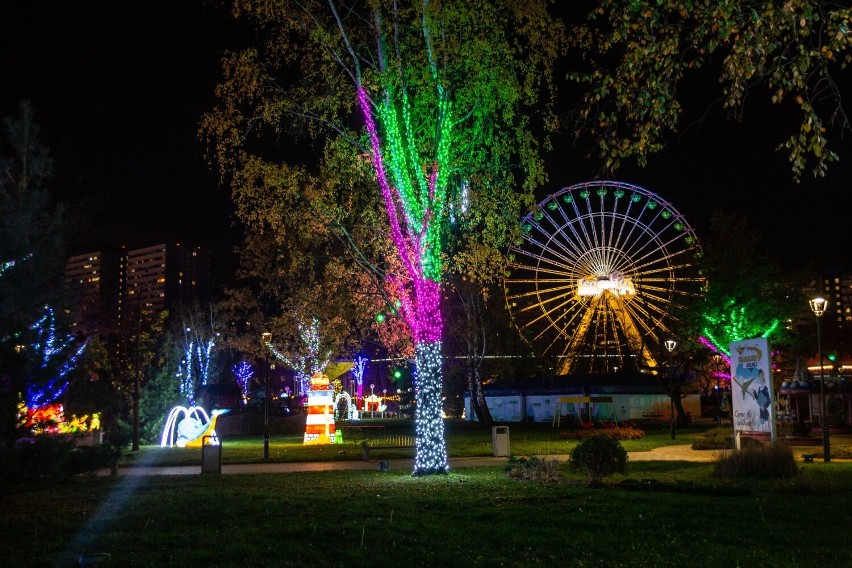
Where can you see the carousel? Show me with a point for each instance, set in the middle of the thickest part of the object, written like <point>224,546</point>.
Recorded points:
<point>799,398</point>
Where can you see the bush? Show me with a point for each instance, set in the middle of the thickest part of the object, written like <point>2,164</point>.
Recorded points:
<point>533,469</point>
<point>614,433</point>
<point>715,439</point>
<point>52,458</point>
<point>598,457</point>
<point>773,461</point>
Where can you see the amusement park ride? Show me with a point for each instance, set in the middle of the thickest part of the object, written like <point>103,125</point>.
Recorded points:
<point>599,274</point>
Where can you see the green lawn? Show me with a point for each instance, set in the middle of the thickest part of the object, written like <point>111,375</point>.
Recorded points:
<point>464,439</point>
<point>472,517</point>
<point>658,514</point>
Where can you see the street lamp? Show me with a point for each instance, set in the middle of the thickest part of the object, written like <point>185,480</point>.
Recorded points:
<point>818,306</point>
<point>670,346</point>
<point>717,360</point>
<point>267,340</point>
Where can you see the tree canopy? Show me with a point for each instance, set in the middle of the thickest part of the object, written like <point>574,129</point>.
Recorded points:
<point>430,100</point>
<point>641,52</point>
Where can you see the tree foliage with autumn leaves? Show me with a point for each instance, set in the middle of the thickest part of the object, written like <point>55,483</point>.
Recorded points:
<point>641,52</point>
<point>430,101</point>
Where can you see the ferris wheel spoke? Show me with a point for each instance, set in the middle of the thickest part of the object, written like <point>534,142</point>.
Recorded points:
<point>601,268</point>
<point>552,294</point>
<point>543,252</point>
<point>553,321</point>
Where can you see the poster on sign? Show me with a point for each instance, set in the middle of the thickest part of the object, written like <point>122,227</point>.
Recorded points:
<point>751,388</point>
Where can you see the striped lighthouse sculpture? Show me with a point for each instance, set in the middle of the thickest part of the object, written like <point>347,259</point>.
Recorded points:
<point>319,427</point>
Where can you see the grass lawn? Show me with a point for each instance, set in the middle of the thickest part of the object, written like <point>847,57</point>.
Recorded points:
<point>464,439</point>
<point>471,517</point>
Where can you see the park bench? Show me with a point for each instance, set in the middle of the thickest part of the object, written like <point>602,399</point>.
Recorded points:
<point>809,458</point>
<point>652,415</point>
<point>386,443</point>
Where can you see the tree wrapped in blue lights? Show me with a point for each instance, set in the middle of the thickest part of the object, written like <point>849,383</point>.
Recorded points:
<point>55,356</point>
<point>243,374</point>
<point>194,367</point>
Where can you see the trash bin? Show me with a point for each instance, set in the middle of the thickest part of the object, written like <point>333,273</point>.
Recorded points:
<point>211,454</point>
<point>500,441</point>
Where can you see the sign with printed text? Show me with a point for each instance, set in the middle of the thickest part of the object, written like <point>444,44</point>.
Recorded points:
<point>751,386</point>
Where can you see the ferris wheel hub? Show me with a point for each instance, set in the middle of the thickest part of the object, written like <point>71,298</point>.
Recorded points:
<point>615,283</point>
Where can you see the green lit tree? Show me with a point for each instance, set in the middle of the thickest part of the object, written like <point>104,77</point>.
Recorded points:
<point>641,52</point>
<point>428,101</point>
<point>747,294</point>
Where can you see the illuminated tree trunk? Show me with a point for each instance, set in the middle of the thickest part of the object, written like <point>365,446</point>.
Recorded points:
<point>414,204</point>
<point>431,451</point>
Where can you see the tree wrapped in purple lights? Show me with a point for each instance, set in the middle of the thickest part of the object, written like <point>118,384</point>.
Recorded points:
<point>442,89</point>
<point>243,374</point>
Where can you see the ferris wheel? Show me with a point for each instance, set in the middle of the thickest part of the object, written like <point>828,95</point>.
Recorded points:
<point>599,275</point>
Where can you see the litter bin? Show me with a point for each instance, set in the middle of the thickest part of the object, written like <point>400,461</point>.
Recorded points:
<point>211,454</point>
<point>500,441</point>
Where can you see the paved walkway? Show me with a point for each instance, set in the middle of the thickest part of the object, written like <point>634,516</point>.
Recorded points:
<point>668,453</point>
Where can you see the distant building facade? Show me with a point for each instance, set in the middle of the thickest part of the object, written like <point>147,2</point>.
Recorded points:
<point>837,289</point>
<point>107,289</point>
<point>835,285</point>
<point>92,287</point>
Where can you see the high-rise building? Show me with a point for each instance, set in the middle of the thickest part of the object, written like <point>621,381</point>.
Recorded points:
<point>91,283</point>
<point>837,289</point>
<point>163,276</point>
<point>106,288</point>
<point>835,286</point>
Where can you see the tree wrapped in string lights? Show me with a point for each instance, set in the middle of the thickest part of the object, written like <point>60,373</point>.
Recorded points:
<point>243,374</point>
<point>442,90</point>
<point>56,356</point>
<point>307,357</point>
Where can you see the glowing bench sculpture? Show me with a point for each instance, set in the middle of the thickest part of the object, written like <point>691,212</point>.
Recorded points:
<point>185,427</point>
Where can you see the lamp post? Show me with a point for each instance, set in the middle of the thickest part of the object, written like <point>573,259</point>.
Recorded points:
<point>717,360</point>
<point>267,340</point>
<point>670,346</point>
<point>818,306</point>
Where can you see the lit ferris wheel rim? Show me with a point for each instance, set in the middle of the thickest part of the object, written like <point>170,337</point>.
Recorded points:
<point>599,272</point>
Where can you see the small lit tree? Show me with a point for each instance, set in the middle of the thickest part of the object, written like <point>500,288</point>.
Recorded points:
<point>243,373</point>
<point>308,357</point>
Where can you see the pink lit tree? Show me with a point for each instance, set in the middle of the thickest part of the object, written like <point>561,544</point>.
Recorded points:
<point>436,97</point>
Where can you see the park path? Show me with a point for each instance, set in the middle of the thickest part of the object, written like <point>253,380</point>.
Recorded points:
<point>668,453</point>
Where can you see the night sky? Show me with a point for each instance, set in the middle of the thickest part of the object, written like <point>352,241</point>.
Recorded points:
<point>118,89</point>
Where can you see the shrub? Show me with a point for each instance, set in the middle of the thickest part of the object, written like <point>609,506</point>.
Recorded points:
<point>841,452</point>
<point>52,458</point>
<point>533,469</point>
<point>715,439</point>
<point>773,461</point>
<point>598,457</point>
<point>614,433</point>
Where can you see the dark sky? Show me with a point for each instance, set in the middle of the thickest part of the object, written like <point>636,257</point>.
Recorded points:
<point>119,87</point>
